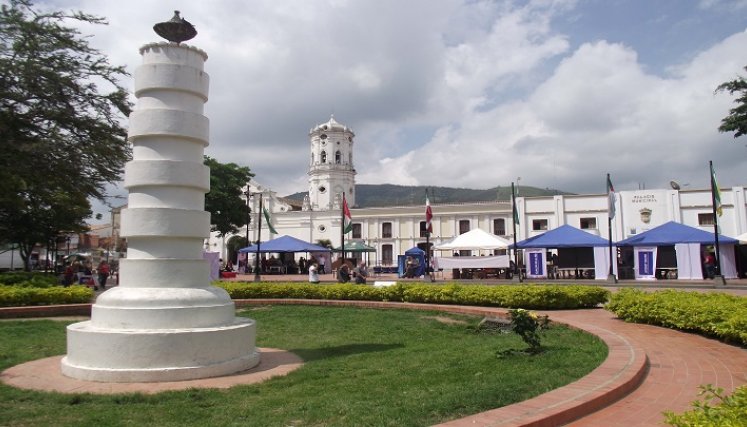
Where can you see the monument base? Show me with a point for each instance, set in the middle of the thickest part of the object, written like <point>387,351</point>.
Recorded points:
<point>158,355</point>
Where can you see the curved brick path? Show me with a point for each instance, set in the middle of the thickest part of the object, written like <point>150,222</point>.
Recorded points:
<point>678,363</point>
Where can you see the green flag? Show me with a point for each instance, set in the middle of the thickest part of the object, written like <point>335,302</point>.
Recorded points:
<point>269,222</point>
<point>716,192</point>
<point>513,205</point>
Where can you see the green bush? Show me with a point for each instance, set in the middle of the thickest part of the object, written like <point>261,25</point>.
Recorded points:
<point>731,411</point>
<point>718,315</point>
<point>15,296</point>
<point>28,279</point>
<point>536,297</point>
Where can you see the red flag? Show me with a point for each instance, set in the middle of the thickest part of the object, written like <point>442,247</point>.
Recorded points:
<point>428,215</point>
<point>347,226</point>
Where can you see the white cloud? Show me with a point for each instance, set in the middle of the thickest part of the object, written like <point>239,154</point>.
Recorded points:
<point>456,92</point>
<point>599,112</point>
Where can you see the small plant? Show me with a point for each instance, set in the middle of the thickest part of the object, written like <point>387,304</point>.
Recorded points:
<point>528,325</point>
<point>729,411</point>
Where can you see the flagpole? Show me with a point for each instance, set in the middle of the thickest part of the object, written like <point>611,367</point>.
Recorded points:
<point>342,228</point>
<point>718,277</point>
<point>514,218</point>
<point>257,277</point>
<point>611,276</point>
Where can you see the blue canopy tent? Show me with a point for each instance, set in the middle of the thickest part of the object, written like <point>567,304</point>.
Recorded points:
<point>578,250</point>
<point>285,244</point>
<point>418,255</point>
<point>677,246</point>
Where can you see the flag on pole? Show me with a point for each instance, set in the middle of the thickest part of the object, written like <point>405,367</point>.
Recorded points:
<point>611,198</point>
<point>428,214</point>
<point>513,203</point>
<point>716,192</point>
<point>347,226</point>
<point>269,223</point>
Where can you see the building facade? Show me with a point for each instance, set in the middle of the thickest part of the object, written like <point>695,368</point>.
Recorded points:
<point>393,230</point>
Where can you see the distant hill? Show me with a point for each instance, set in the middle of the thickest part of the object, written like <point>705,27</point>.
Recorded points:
<point>369,196</point>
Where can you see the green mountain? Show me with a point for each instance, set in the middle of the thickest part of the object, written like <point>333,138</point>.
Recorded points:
<point>370,196</point>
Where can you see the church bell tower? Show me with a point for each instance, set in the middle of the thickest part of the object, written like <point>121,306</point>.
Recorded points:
<point>331,169</point>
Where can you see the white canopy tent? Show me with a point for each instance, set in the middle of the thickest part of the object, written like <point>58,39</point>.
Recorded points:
<point>476,239</point>
<point>742,238</point>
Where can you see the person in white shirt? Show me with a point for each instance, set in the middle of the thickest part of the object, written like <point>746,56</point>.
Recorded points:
<point>313,274</point>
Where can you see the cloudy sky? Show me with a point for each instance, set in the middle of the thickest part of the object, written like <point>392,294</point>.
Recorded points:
<point>463,93</point>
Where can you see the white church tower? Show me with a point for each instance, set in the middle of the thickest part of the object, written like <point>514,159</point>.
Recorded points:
<point>331,169</point>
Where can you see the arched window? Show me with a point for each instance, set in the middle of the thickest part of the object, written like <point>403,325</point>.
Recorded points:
<point>312,158</point>
<point>324,157</point>
<point>338,157</point>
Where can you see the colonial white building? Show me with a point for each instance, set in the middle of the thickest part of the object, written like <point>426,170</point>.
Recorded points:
<point>393,230</point>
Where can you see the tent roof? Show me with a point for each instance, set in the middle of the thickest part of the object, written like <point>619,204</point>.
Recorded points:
<point>415,251</point>
<point>474,240</point>
<point>564,236</point>
<point>673,232</point>
<point>742,238</point>
<point>285,244</point>
<point>355,246</point>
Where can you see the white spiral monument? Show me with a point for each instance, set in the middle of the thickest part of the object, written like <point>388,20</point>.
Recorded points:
<point>164,322</point>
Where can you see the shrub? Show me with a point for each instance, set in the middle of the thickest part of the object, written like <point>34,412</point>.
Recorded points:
<point>718,315</point>
<point>528,326</point>
<point>533,297</point>
<point>28,279</point>
<point>15,296</point>
<point>730,411</point>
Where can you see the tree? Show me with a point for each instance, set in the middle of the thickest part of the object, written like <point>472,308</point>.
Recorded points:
<point>228,210</point>
<point>325,243</point>
<point>736,121</point>
<point>60,130</point>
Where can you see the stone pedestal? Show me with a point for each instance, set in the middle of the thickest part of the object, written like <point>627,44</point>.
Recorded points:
<point>164,322</point>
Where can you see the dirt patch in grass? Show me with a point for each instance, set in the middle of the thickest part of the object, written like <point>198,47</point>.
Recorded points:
<point>446,320</point>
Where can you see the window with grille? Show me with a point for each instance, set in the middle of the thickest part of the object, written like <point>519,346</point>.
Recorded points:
<point>386,230</point>
<point>539,224</point>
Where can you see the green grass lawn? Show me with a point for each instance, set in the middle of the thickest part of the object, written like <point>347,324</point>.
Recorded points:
<point>364,367</point>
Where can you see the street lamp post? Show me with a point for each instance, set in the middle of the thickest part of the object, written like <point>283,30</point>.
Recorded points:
<point>259,238</point>
<point>247,194</point>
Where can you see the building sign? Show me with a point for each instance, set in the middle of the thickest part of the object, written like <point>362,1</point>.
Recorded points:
<point>644,198</point>
<point>645,263</point>
<point>536,259</point>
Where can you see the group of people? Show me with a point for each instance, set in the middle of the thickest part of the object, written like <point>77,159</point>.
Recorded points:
<point>77,272</point>
<point>344,274</point>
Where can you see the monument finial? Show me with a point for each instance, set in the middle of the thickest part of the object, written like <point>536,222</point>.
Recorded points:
<point>175,30</point>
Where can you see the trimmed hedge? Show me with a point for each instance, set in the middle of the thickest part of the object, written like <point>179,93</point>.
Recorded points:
<point>28,279</point>
<point>16,296</point>
<point>717,315</point>
<point>535,297</point>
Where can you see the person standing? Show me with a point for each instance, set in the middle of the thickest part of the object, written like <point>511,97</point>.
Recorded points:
<point>361,273</point>
<point>313,274</point>
<point>103,271</point>
<point>710,265</point>
<point>322,264</point>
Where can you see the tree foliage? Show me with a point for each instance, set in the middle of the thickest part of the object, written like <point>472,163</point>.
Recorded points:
<point>736,121</point>
<point>224,201</point>
<point>60,111</point>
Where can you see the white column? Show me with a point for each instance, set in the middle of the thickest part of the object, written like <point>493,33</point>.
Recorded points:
<point>164,322</point>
